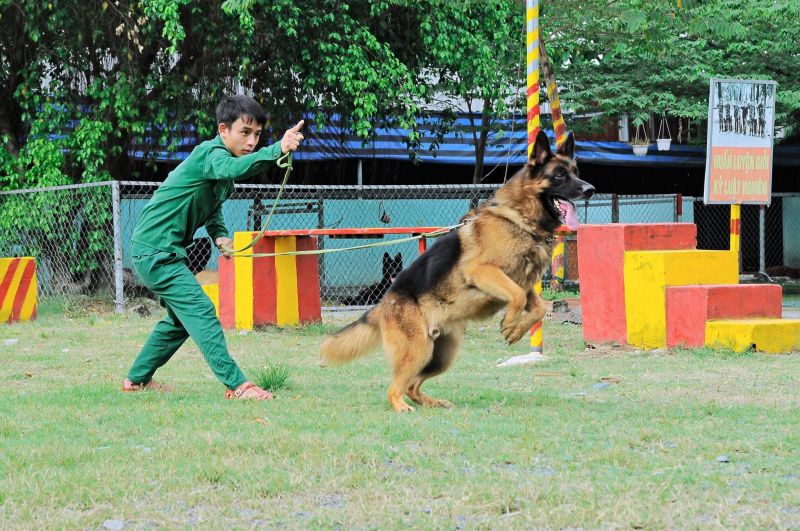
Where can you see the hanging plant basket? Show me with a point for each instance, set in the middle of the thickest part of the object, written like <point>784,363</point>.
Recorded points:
<point>640,143</point>
<point>664,136</point>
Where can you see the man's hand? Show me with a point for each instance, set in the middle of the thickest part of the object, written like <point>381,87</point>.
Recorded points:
<point>225,246</point>
<point>291,138</point>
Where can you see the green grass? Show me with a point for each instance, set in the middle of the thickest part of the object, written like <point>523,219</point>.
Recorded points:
<point>550,295</point>
<point>273,376</point>
<point>590,438</point>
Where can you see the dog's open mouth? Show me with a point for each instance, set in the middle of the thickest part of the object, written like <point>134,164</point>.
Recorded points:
<point>568,214</point>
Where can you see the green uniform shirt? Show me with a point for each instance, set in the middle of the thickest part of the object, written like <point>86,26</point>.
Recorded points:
<point>193,193</point>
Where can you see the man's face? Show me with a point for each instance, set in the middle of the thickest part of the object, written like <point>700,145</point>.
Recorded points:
<point>241,137</point>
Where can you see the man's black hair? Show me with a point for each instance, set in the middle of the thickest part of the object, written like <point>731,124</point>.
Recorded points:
<point>240,106</point>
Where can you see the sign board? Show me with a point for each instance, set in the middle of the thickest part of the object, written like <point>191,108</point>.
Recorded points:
<point>741,119</point>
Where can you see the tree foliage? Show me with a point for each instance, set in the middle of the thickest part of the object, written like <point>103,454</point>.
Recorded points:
<point>77,90</point>
<point>474,53</point>
<point>644,57</point>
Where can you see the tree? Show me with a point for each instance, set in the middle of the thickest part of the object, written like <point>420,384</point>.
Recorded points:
<point>474,51</point>
<point>76,90</point>
<point>645,57</point>
<point>141,71</point>
<point>80,90</point>
<point>355,61</point>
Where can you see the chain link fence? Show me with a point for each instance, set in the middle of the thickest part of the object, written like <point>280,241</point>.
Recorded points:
<point>81,235</point>
<point>70,232</point>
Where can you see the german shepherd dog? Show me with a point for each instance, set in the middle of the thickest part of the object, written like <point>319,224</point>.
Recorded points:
<point>492,261</point>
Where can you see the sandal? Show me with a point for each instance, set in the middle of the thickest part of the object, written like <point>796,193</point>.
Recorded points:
<point>128,387</point>
<point>248,390</point>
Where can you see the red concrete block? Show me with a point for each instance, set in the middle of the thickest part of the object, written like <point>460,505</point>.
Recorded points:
<point>308,297</point>
<point>227,293</point>
<point>660,236</point>
<point>601,253</point>
<point>689,307</point>
<point>265,292</point>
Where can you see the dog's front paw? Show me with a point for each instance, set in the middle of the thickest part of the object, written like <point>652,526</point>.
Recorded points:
<point>509,324</point>
<point>515,334</point>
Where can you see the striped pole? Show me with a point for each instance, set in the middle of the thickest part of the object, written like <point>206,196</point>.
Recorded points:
<point>557,262</point>
<point>559,127</point>
<point>560,130</point>
<point>534,122</point>
<point>532,55</point>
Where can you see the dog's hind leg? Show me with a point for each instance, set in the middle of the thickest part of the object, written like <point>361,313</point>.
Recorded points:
<point>445,349</point>
<point>409,348</point>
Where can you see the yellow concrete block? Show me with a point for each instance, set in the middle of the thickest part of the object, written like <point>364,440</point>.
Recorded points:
<point>648,273</point>
<point>767,335</point>
<point>243,280</point>
<point>212,290</point>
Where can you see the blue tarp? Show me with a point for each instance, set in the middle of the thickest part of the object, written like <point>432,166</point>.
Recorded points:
<point>457,147</point>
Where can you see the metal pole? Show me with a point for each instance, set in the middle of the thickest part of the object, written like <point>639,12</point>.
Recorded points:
<point>119,291</point>
<point>736,232</point>
<point>762,231</point>
<point>614,208</point>
<point>321,240</point>
<point>257,210</point>
<point>360,178</point>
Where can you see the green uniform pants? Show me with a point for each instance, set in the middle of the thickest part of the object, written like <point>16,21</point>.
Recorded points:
<point>190,313</point>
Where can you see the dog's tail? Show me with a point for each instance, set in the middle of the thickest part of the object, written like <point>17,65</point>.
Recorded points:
<point>357,339</point>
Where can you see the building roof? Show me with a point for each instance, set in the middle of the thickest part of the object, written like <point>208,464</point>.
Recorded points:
<point>457,147</point>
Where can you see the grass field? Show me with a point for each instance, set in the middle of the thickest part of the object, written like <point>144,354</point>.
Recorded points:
<point>590,438</point>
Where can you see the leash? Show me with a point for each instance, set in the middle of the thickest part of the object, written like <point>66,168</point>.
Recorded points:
<point>433,234</point>
<point>284,161</point>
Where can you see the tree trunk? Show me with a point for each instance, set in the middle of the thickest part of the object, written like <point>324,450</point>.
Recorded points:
<point>480,144</point>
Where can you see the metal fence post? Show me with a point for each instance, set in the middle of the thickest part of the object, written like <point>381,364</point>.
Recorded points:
<point>762,230</point>
<point>614,208</point>
<point>119,291</point>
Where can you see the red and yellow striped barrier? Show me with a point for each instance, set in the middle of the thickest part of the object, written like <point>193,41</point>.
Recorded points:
<point>272,290</point>
<point>17,289</point>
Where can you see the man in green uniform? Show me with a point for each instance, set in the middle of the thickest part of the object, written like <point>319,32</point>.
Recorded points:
<point>192,197</point>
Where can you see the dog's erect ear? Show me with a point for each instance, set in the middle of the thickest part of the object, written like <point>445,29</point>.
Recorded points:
<point>567,149</point>
<point>541,149</point>
<point>398,258</point>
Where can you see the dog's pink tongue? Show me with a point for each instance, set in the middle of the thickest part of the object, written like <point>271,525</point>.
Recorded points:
<point>570,214</point>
